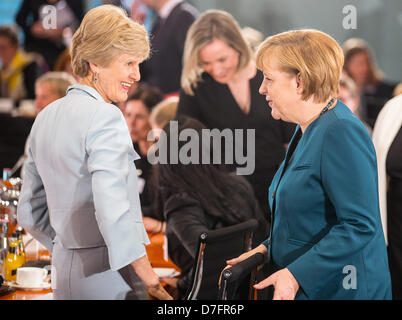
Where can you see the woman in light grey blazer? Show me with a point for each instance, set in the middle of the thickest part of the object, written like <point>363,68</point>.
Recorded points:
<point>80,196</point>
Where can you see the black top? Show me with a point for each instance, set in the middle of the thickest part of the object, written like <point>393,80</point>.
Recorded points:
<point>394,214</point>
<point>14,133</point>
<point>214,105</point>
<point>394,171</point>
<point>394,157</point>
<point>163,68</point>
<point>373,99</point>
<point>186,220</point>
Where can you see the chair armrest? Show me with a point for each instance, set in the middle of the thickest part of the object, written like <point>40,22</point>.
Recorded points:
<point>243,268</point>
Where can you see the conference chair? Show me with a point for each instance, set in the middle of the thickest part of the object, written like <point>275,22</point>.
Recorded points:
<point>237,281</point>
<point>215,248</point>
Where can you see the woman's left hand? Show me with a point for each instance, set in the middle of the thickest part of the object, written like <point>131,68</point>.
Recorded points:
<point>284,282</point>
<point>153,225</point>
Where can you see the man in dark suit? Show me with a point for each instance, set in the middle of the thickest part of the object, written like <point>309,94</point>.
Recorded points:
<point>168,35</point>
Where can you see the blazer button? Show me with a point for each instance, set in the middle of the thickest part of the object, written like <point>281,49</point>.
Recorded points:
<point>269,240</point>
<point>273,194</point>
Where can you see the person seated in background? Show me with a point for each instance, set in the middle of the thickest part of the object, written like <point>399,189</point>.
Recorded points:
<point>137,112</point>
<point>163,112</point>
<point>160,116</point>
<point>348,95</point>
<point>198,197</point>
<point>50,87</point>
<point>19,69</point>
<point>168,34</point>
<point>373,90</point>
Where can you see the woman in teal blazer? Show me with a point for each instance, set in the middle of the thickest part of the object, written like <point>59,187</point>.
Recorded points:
<point>326,239</point>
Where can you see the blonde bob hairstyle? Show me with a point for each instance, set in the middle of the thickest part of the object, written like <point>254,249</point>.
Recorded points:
<point>313,54</point>
<point>105,32</point>
<point>211,25</point>
<point>164,112</point>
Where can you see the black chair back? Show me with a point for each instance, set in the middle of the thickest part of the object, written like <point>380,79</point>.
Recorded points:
<point>215,248</point>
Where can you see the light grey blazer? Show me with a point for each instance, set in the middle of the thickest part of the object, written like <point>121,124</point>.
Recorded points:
<point>80,182</point>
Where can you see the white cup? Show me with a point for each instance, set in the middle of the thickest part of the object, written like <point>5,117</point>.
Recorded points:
<point>6,105</point>
<point>31,277</point>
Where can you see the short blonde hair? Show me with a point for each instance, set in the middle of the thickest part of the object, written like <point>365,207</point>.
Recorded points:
<point>347,82</point>
<point>164,112</point>
<point>313,54</point>
<point>105,32</point>
<point>353,46</point>
<point>58,81</point>
<point>212,24</point>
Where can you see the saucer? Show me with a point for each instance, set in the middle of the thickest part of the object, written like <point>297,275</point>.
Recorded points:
<point>166,272</point>
<point>43,286</point>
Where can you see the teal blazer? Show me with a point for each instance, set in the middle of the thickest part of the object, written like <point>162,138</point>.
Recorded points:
<point>326,226</point>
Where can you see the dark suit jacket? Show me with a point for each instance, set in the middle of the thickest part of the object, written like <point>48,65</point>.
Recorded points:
<point>326,222</point>
<point>14,133</point>
<point>163,69</point>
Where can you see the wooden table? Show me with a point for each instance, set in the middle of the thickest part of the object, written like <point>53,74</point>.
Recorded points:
<point>20,294</point>
<point>155,256</point>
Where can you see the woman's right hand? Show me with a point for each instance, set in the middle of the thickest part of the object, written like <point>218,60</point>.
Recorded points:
<point>150,279</point>
<point>157,292</point>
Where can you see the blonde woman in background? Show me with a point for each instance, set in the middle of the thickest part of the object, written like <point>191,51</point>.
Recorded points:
<point>80,195</point>
<point>163,112</point>
<point>220,88</point>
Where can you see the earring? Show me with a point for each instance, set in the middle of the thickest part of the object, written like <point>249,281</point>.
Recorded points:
<point>95,81</point>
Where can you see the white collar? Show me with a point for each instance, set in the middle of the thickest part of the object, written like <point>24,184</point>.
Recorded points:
<point>165,11</point>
